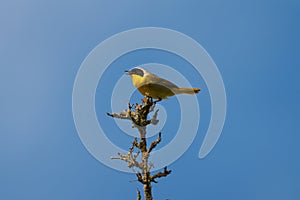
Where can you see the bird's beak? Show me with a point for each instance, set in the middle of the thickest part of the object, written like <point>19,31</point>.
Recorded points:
<point>127,72</point>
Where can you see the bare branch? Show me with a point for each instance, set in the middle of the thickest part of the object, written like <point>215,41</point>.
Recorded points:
<point>155,143</point>
<point>139,177</point>
<point>138,114</point>
<point>130,158</point>
<point>154,119</point>
<point>139,194</point>
<point>123,115</point>
<point>165,173</point>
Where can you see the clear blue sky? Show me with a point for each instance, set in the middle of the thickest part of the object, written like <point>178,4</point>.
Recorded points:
<point>256,46</point>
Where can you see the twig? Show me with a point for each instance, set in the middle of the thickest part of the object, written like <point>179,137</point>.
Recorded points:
<point>139,194</point>
<point>165,173</point>
<point>155,143</point>
<point>130,158</point>
<point>138,114</point>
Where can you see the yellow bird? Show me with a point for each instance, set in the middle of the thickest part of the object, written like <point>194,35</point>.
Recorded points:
<point>154,86</point>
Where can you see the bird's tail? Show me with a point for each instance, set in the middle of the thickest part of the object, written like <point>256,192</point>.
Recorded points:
<point>187,90</point>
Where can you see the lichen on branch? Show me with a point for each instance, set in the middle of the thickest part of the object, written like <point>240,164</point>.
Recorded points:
<point>138,114</point>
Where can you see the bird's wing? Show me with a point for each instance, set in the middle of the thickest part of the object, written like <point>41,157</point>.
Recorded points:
<point>160,81</point>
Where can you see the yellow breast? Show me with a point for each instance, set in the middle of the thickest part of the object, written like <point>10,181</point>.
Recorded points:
<point>137,80</point>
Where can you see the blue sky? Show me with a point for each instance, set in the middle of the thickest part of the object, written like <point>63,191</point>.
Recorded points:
<point>255,45</point>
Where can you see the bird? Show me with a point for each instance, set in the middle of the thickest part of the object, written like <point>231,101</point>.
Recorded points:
<point>149,84</point>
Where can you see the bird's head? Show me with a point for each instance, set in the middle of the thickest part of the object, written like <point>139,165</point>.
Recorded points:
<point>137,71</point>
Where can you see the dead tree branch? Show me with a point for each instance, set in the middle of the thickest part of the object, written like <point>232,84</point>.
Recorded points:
<point>155,143</point>
<point>165,173</point>
<point>139,194</point>
<point>138,114</point>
